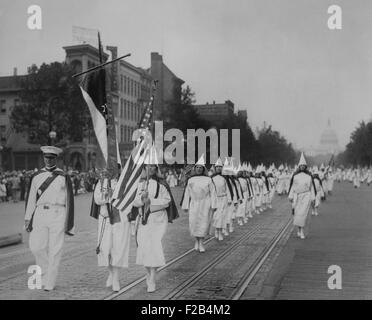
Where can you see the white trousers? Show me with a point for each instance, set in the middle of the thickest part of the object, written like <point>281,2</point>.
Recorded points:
<point>46,241</point>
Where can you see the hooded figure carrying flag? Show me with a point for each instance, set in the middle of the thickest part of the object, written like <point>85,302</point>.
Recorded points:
<point>302,194</point>
<point>156,208</point>
<point>113,227</point>
<point>113,230</point>
<point>200,202</point>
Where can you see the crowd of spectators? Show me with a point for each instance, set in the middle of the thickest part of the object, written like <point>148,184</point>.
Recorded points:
<point>14,184</point>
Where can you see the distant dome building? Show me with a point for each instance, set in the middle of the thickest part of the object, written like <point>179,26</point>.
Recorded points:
<point>328,143</point>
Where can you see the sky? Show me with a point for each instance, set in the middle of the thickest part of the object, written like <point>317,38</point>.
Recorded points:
<point>276,59</point>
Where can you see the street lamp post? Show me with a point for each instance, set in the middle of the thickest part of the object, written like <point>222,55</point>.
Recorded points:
<point>52,134</point>
<point>1,158</point>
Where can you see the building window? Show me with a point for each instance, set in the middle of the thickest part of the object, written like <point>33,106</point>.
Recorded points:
<point>16,102</point>
<point>2,106</point>
<point>125,85</point>
<point>121,83</point>
<point>125,109</point>
<point>121,133</point>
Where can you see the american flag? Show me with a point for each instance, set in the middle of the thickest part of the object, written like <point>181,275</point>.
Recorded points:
<point>126,188</point>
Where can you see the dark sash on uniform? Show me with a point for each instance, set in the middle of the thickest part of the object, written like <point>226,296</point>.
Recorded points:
<point>229,188</point>
<point>69,197</point>
<point>248,186</point>
<point>267,183</point>
<point>233,179</point>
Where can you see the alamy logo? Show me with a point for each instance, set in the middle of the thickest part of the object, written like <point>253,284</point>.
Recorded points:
<point>34,281</point>
<point>335,20</point>
<point>335,280</point>
<point>34,21</point>
<point>175,151</point>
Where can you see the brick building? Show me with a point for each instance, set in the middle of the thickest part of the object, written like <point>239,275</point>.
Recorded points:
<point>169,87</point>
<point>128,91</point>
<point>215,112</point>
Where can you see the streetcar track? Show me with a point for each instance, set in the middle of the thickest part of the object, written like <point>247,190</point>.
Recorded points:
<point>248,276</point>
<point>190,281</point>
<point>256,266</point>
<point>179,290</point>
<point>141,279</point>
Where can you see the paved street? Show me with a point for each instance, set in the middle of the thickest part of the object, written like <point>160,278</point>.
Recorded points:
<point>295,269</point>
<point>341,235</point>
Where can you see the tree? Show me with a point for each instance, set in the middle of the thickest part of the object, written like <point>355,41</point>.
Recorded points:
<point>182,115</point>
<point>51,84</point>
<point>359,149</point>
<point>248,143</point>
<point>274,148</point>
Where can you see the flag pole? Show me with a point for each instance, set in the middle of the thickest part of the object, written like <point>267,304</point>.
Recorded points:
<point>100,66</point>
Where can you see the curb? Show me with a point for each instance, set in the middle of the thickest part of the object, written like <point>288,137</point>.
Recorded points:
<point>10,240</point>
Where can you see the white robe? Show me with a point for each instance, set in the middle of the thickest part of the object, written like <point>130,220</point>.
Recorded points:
<point>272,189</point>
<point>319,193</point>
<point>199,198</point>
<point>242,206</point>
<point>302,194</point>
<point>223,198</point>
<point>115,243</point>
<point>231,209</point>
<point>150,249</point>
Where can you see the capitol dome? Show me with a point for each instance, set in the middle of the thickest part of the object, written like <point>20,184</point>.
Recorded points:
<point>328,143</point>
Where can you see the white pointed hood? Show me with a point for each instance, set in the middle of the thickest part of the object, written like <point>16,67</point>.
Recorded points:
<point>201,161</point>
<point>302,160</point>
<point>249,168</point>
<point>218,163</point>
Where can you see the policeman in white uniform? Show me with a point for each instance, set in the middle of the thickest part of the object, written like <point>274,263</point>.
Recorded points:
<point>49,215</point>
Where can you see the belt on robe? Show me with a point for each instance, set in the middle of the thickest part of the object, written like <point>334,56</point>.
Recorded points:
<point>49,206</point>
<point>303,192</point>
<point>221,195</point>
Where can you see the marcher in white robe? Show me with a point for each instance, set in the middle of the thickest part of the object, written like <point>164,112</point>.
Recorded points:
<point>152,199</point>
<point>257,193</point>
<point>244,193</point>
<point>265,190</point>
<point>330,181</point>
<point>224,199</point>
<point>228,172</point>
<point>319,193</point>
<point>356,178</point>
<point>171,179</point>
<point>260,196</point>
<point>288,176</point>
<point>281,186</point>
<point>113,236</point>
<point>271,181</point>
<point>250,201</point>
<point>239,194</point>
<point>200,202</point>
<point>369,177</point>
<point>302,195</point>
